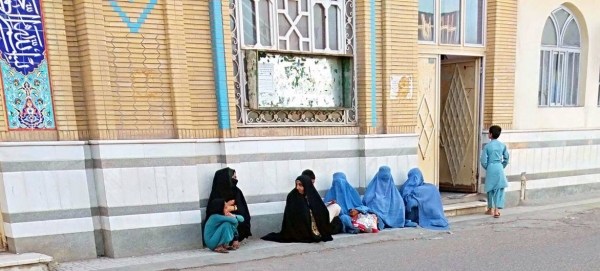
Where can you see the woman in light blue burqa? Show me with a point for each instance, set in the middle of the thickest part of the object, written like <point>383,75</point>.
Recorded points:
<point>423,202</point>
<point>348,198</point>
<point>384,200</point>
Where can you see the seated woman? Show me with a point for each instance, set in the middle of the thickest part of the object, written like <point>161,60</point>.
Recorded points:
<point>423,202</point>
<point>346,196</point>
<point>305,218</point>
<point>224,186</point>
<point>220,230</point>
<point>383,199</point>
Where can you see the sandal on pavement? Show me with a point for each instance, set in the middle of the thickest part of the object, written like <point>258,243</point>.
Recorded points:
<point>221,250</point>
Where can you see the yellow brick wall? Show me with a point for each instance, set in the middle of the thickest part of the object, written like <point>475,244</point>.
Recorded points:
<point>110,83</point>
<point>398,57</point>
<point>500,63</point>
<point>139,71</point>
<point>200,64</point>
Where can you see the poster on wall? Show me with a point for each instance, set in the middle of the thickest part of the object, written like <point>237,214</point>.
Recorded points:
<point>24,65</point>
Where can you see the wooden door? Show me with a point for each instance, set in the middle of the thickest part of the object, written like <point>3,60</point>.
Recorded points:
<point>427,118</point>
<point>459,122</point>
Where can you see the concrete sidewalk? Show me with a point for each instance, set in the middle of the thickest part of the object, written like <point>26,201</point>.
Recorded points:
<point>258,249</point>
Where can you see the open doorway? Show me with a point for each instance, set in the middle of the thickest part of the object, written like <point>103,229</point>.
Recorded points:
<point>448,121</point>
<point>460,92</point>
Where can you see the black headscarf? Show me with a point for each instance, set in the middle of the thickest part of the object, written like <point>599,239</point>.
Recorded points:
<point>225,187</point>
<point>296,225</point>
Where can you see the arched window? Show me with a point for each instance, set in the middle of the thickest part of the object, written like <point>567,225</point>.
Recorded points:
<point>560,60</point>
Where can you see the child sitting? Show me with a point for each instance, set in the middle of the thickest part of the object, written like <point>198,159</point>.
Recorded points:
<point>364,222</point>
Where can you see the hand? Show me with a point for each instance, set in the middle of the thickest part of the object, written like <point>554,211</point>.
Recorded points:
<point>230,203</point>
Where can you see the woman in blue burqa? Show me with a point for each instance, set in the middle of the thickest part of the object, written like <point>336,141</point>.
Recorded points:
<point>348,198</point>
<point>423,202</point>
<point>384,200</point>
<point>305,217</point>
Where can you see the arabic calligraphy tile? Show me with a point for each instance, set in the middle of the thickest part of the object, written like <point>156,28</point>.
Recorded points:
<point>134,27</point>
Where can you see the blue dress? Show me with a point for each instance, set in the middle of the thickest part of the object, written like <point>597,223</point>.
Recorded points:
<point>383,199</point>
<point>220,230</point>
<point>348,198</point>
<point>494,158</point>
<point>423,202</point>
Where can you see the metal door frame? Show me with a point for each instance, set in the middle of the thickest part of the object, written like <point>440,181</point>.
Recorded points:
<point>481,60</point>
<point>437,116</point>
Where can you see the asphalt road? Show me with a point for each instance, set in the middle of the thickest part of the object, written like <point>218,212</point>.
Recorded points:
<point>565,239</point>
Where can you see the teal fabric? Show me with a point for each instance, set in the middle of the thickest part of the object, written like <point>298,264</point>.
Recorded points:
<point>494,158</point>
<point>495,198</point>
<point>220,230</point>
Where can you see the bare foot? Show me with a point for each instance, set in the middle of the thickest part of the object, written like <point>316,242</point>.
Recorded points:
<point>236,245</point>
<point>489,212</point>
<point>221,249</point>
<point>497,214</point>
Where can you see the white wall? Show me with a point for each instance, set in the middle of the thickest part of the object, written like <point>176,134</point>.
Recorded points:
<point>531,19</point>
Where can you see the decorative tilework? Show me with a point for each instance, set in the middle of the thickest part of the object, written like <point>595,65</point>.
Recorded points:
<point>218,48</point>
<point>133,27</point>
<point>24,66</point>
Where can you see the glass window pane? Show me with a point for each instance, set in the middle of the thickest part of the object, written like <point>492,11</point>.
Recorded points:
<point>284,25</point>
<point>571,36</point>
<point>543,91</point>
<point>426,20</point>
<point>568,80</point>
<point>450,22</point>
<point>575,80</point>
<point>265,22</point>
<point>249,22</point>
<point>561,16</point>
<point>549,34</point>
<point>319,26</point>
<point>474,22</point>
<point>332,19</point>
<point>556,89</point>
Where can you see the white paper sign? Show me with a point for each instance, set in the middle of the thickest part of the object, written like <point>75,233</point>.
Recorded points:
<point>394,82</point>
<point>266,78</point>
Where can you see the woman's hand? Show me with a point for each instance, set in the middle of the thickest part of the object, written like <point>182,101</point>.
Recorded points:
<point>230,203</point>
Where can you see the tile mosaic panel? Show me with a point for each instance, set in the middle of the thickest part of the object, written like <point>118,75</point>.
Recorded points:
<point>24,66</point>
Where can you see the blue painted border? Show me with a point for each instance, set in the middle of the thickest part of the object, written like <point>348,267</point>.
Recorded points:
<point>218,53</point>
<point>373,68</point>
<point>134,27</point>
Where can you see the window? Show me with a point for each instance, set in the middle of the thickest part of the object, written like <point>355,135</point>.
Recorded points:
<point>427,20</point>
<point>293,61</point>
<point>315,26</point>
<point>460,22</point>
<point>450,22</point>
<point>474,22</point>
<point>560,60</point>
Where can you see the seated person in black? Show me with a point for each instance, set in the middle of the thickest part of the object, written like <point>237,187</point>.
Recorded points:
<point>305,219</point>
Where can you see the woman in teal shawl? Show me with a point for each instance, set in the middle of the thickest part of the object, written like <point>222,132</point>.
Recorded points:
<point>220,230</point>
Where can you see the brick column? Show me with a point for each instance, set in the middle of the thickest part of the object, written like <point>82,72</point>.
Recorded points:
<point>180,87</point>
<point>500,63</point>
<point>91,37</point>
<point>366,51</point>
<point>399,59</point>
